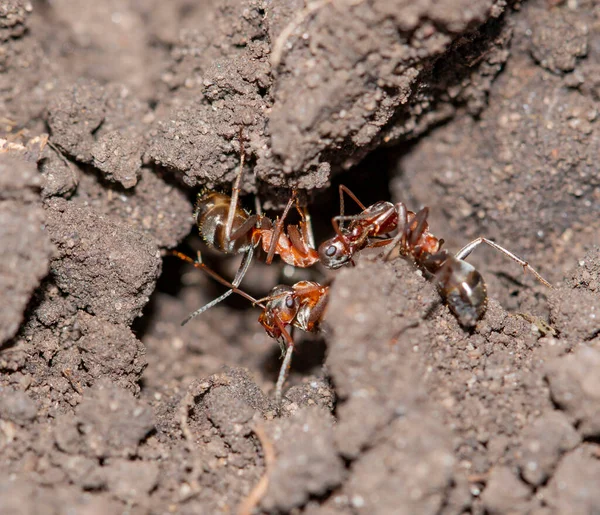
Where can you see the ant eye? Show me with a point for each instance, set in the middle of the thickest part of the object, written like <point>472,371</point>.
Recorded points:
<point>289,302</point>
<point>331,250</point>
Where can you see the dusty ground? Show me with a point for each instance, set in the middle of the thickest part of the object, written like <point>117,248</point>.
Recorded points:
<point>486,112</point>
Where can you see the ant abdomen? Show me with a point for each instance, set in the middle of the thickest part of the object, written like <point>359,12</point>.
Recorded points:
<point>463,289</point>
<point>212,209</point>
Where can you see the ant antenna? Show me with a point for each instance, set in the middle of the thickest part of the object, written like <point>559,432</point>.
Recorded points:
<point>233,287</point>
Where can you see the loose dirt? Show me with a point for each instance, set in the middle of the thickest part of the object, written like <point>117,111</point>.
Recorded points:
<point>113,114</point>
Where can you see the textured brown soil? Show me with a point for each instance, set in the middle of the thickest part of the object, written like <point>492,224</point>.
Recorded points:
<point>486,112</point>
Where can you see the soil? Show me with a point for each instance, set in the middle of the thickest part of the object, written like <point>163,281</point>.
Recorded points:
<point>114,113</point>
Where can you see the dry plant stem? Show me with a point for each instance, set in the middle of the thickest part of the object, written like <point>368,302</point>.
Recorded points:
<point>277,52</point>
<point>189,440</point>
<point>260,489</point>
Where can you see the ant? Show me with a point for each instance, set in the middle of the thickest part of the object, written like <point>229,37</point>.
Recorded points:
<point>460,284</point>
<point>227,227</point>
<point>366,229</point>
<point>301,305</point>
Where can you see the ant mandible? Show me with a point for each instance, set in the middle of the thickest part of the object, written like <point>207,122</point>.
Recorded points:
<point>227,227</point>
<point>301,305</point>
<point>460,284</point>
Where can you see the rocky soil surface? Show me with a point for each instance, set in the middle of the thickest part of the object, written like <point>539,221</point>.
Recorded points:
<point>113,114</point>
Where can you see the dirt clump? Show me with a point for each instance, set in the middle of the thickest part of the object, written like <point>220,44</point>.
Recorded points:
<point>544,443</point>
<point>568,489</point>
<point>573,390</point>
<point>307,463</point>
<point>26,248</point>
<point>115,285</point>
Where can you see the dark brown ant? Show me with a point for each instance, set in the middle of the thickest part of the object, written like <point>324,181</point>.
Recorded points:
<point>460,284</point>
<point>227,227</point>
<point>301,305</point>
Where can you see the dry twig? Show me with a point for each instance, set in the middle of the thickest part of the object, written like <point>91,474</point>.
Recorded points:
<point>260,489</point>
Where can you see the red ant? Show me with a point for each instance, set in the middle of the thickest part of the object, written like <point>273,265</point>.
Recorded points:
<point>232,230</point>
<point>301,305</point>
<point>366,229</point>
<point>460,284</point>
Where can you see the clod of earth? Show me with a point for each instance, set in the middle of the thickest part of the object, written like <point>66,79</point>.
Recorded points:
<point>111,113</point>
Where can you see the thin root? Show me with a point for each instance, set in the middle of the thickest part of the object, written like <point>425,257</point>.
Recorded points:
<point>184,408</point>
<point>278,47</point>
<point>260,489</point>
<point>299,19</point>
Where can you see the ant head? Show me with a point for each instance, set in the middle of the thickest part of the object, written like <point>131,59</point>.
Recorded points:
<point>333,253</point>
<point>282,305</point>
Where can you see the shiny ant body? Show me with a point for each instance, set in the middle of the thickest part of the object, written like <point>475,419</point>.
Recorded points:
<point>301,305</point>
<point>228,228</point>
<point>365,230</point>
<point>459,283</point>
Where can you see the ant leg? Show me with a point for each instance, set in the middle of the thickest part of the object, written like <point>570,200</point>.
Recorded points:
<point>341,205</point>
<point>306,226</point>
<point>419,222</point>
<point>283,373</point>
<point>246,227</point>
<point>467,249</point>
<point>279,228</point>
<point>258,206</point>
<point>336,227</point>
<point>269,298</point>
<point>233,287</point>
<point>297,240</point>
<point>351,218</point>
<point>235,191</point>
<point>400,237</point>
<point>301,236</point>
<point>287,361</point>
<point>383,242</point>
<point>344,189</point>
<point>307,231</point>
